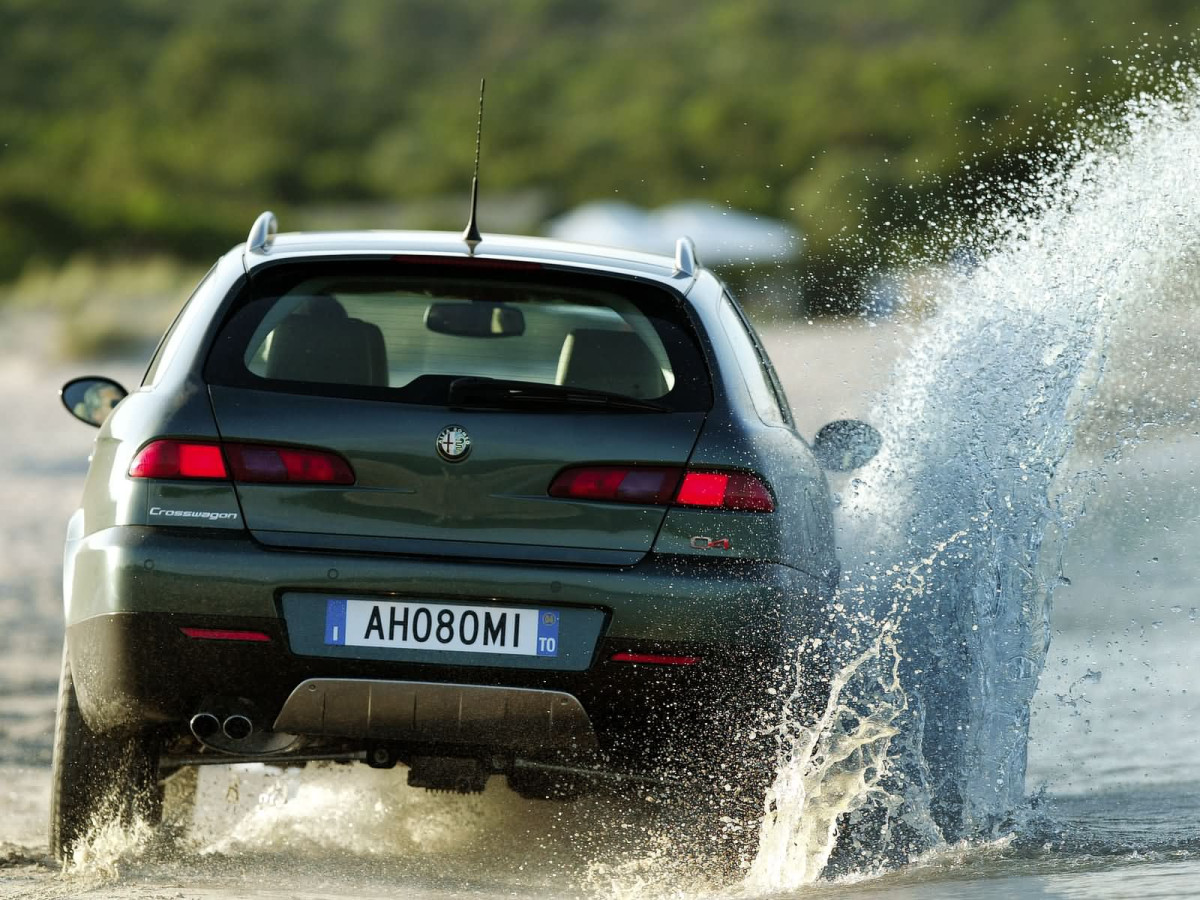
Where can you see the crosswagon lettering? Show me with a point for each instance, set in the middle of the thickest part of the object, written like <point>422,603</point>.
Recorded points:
<point>192,514</point>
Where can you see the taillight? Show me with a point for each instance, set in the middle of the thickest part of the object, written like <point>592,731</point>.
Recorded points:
<point>250,463</point>
<point>725,490</point>
<point>279,465</point>
<point>619,484</point>
<point>663,485</point>
<point>178,459</point>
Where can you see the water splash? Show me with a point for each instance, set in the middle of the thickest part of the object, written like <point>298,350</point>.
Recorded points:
<point>829,767</point>
<point>957,525</point>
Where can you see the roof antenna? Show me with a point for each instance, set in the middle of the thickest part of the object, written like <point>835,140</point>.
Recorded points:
<point>471,236</point>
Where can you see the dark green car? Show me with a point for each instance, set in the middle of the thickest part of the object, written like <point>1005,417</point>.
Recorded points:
<point>531,509</point>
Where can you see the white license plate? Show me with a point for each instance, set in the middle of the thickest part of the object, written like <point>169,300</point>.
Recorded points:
<point>417,625</point>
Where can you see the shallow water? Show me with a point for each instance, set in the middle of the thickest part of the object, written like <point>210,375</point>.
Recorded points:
<point>1114,755</point>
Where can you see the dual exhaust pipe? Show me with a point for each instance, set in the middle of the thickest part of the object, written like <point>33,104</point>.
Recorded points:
<point>206,726</point>
<point>233,731</point>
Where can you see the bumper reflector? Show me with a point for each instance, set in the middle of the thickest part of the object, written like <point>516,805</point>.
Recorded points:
<point>655,659</point>
<point>224,634</point>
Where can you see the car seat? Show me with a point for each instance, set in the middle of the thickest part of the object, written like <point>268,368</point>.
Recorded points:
<point>319,342</point>
<point>615,361</point>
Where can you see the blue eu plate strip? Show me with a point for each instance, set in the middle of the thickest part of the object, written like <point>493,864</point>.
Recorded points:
<point>335,621</point>
<point>547,641</point>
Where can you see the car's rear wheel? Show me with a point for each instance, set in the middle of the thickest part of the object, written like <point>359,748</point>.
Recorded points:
<point>97,778</point>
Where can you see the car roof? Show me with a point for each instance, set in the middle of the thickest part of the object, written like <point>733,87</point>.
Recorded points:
<point>309,244</point>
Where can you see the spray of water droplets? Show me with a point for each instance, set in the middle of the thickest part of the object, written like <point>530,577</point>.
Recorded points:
<point>955,529</point>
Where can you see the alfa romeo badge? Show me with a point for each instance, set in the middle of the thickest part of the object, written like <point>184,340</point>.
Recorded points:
<point>453,443</point>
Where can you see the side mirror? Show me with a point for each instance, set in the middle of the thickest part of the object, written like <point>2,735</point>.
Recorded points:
<point>846,444</point>
<point>90,399</point>
<point>475,318</point>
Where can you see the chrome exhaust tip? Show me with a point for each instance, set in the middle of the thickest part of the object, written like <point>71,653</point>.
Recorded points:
<point>237,727</point>
<point>204,725</point>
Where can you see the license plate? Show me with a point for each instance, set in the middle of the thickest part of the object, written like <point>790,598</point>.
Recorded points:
<point>415,625</point>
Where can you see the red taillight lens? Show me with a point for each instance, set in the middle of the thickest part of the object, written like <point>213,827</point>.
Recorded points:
<point>226,634</point>
<point>749,493</point>
<point>257,464</point>
<point>703,489</point>
<point>249,462</point>
<point>655,659</point>
<point>314,467</point>
<point>178,459</point>
<point>725,490</point>
<point>650,486</point>
<point>660,485</point>
<point>278,465</point>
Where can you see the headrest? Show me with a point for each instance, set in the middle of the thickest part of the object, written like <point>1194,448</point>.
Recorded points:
<point>616,361</point>
<point>320,305</point>
<point>319,342</point>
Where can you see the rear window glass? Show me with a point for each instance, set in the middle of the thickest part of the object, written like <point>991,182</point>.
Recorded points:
<point>406,333</point>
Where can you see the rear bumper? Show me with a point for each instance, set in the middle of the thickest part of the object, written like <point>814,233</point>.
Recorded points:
<point>132,590</point>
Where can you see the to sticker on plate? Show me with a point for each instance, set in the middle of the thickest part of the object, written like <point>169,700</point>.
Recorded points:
<point>521,631</point>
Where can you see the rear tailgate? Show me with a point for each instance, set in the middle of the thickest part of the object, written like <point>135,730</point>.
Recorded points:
<point>369,359</point>
<point>496,495</point>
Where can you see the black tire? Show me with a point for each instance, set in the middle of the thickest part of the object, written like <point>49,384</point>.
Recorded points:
<point>96,778</point>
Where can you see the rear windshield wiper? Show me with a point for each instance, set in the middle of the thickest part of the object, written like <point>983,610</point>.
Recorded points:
<point>496,393</point>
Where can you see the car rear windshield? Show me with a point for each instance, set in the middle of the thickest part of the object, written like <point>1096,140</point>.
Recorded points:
<point>445,335</point>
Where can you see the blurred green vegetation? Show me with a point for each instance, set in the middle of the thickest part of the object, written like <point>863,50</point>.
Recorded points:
<point>104,308</point>
<point>147,126</point>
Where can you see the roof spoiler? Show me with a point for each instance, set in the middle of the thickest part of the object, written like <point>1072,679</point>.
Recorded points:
<point>685,257</point>
<point>262,233</point>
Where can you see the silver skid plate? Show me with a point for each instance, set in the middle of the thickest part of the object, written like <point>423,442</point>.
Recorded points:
<point>437,713</point>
